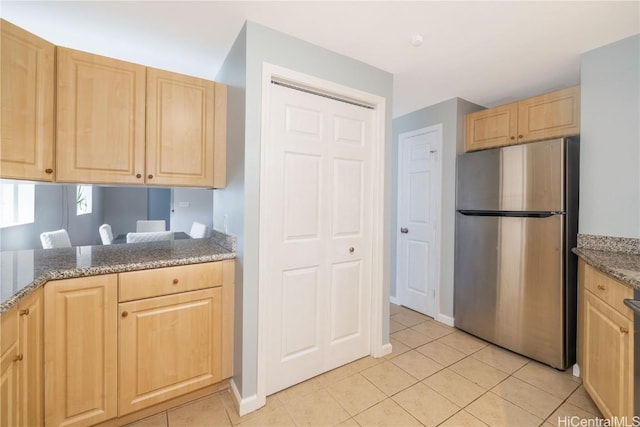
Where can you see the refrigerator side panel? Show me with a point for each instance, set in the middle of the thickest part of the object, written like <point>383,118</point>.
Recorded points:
<point>527,177</point>
<point>509,284</point>
<point>571,234</point>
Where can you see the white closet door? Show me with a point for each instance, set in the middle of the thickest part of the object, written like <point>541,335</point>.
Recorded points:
<point>319,235</point>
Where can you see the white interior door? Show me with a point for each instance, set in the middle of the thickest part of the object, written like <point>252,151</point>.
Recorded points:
<point>319,235</point>
<point>418,219</point>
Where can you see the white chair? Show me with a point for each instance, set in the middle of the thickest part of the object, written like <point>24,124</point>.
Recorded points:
<point>143,226</point>
<point>150,236</point>
<point>55,239</point>
<point>106,235</point>
<point>198,231</point>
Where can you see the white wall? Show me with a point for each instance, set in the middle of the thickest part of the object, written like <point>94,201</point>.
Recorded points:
<point>265,45</point>
<point>451,115</point>
<point>610,140</point>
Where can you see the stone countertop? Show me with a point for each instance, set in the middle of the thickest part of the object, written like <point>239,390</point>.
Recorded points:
<point>623,266</point>
<point>21,272</point>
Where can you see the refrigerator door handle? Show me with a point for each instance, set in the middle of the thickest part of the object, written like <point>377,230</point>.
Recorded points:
<point>512,214</point>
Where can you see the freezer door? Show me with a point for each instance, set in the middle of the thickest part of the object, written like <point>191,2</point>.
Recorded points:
<point>528,177</point>
<point>509,286</point>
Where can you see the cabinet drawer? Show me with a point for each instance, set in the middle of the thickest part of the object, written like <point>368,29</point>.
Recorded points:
<point>608,289</point>
<point>170,280</point>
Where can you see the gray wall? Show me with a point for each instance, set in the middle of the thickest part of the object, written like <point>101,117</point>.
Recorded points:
<point>451,115</point>
<point>228,204</point>
<point>55,208</point>
<point>123,206</point>
<point>610,140</point>
<point>266,45</point>
<point>200,208</point>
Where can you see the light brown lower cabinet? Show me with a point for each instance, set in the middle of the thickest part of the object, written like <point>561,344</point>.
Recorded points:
<point>106,359</point>
<point>21,389</point>
<point>168,346</point>
<point>80,350</point>
<point>605,342</point>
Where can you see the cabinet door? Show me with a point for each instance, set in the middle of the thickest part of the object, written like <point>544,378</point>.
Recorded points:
<point>168,346</point>
<point>9,360</point>
<point>608,358</point>
<point>26,144</point>
<point>100,119</point>
<point>80,338</point>
<point>180,129</point>
<point>550,115</point>
<point>30,311</point>
<point>493,127</point>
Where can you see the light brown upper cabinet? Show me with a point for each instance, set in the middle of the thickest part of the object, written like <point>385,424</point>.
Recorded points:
<point>123,123</point>
<point>101,119</point>
<point>550,115</point>
<point>493,127</point>
<point>185,130</point>
<point>27,132</point>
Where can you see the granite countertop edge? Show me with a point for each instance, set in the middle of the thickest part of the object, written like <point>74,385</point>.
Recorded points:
<point>622,266</point>
<point>219,247</point>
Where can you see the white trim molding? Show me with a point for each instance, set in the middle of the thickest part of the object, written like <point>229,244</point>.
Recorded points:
<point>378,104</point>
<point>447,320</point>
<point>394,300</point>
<point>246,405</point>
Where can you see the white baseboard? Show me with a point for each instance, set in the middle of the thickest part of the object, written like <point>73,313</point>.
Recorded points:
<point>246,405</point>
<point>394,300</point>
<point>447,320</point>
<point>384,350</point>
<point>576,370</point>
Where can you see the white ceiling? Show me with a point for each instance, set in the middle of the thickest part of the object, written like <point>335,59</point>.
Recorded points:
<point>485,52</point>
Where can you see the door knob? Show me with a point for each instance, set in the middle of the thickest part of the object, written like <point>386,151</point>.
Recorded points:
<point>404,230</point>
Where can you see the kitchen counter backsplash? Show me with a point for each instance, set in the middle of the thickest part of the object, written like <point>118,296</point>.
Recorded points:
<point>23,271</point>
<point>618,257</point>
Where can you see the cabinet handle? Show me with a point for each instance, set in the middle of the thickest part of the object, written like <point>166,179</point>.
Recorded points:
<point>150,176</point>
<point>352,250</point>
<point>138,175</point>
<point>602,287</point>
<point>24,312</point>
<point>175,281</point>
<point>624,330</point>
<point>125,313</point>
<point>519,136</point>
<point>49,170</point>
<point>18,358</point>
<point>513,137</point>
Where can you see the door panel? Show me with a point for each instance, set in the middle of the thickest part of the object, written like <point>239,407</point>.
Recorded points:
<point>299,331</point>
<point>347,197</point>
<point>346,287</point>
<point>301,196</point>
<point>319,237</point>
<point>418,217</point>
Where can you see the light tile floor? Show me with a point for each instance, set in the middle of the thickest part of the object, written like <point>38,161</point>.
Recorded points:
<point>436,375</point>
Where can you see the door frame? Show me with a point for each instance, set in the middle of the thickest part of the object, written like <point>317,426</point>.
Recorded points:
<point>402,141</point>
<point>377,348</point>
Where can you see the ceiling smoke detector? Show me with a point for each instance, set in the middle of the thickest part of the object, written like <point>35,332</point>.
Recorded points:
<point>416,39</point>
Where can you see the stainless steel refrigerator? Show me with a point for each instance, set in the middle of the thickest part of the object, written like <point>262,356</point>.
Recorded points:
<point>516,222</point>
